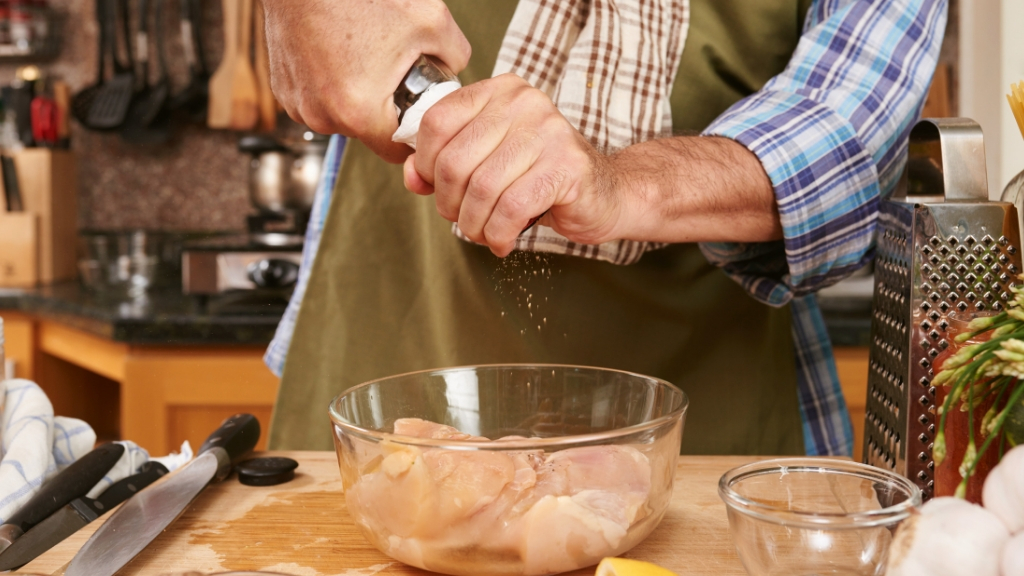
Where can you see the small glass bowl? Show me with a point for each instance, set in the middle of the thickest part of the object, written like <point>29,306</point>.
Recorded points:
<point>450,506</point>
<point>803,516</point>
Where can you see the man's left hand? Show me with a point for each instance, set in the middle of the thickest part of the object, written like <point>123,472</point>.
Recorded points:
<point>498,153</point>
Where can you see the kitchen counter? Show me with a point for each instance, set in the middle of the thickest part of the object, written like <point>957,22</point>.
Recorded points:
<point>168,317</point>
<point>303,527</point>
<point>164,317</point>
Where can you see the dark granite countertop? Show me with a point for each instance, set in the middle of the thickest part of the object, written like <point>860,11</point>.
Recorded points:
<point>169,318</point>
<point>163,317</point>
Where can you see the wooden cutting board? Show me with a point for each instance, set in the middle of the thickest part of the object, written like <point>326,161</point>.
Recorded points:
<point>303,528</point>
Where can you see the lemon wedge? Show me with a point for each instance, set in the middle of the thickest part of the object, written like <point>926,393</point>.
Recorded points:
<point>625,567</point>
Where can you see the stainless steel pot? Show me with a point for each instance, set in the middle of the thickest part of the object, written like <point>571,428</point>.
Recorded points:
<point>282,177</point>
<point>268,172</point>
<point>306,166</point>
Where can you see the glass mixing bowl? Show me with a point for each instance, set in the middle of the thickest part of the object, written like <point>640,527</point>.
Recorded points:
<point>583,468</point>
<point>803,516</point>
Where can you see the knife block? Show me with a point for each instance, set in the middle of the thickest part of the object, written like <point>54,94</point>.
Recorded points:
<point>48,182</point>
<point>19,256</point>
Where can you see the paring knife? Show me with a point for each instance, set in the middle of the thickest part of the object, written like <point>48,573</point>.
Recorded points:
<point>75,515</point>
<point>73,482</point>
<point>143,517</point>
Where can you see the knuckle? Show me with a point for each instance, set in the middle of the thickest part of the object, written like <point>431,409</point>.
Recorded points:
<point>434,121</point>
<point>483,185</point>
<point>447,171</point>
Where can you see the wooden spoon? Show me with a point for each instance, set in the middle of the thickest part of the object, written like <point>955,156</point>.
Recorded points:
<point>267,104</point>
<point>245,99</point>
<point>219,113</point>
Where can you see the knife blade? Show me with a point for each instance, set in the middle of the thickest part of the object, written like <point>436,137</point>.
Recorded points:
<point>72,517</point>
<point>135,524</point>
<point>72,482</point>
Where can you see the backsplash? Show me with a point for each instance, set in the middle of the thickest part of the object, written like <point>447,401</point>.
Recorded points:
<point>197,181</point>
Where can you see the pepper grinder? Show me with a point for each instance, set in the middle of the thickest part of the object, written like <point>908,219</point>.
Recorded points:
<point>427,73</point>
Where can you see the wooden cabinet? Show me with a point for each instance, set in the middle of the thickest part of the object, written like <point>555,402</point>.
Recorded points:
<point>156,396</point>
<point>852,365</point>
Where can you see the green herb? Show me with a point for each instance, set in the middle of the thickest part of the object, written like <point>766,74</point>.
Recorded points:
<point>978,372</point>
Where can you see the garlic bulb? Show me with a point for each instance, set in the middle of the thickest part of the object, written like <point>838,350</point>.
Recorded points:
<point>950,537</point>
<point>1013,556</point>
<point>1003,493</point>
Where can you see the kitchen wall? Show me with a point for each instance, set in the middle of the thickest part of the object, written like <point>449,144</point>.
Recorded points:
<point>198,180</point>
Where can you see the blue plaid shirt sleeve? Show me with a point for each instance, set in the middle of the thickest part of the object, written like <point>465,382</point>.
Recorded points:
<point>831,133</point>
<point>278,350</point>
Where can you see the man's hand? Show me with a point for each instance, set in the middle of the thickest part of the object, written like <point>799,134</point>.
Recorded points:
<point>498,153</point>
<point>336,63</point>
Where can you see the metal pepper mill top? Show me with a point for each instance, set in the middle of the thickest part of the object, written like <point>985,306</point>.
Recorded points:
<point>426,72</point>
<point>945,254</point>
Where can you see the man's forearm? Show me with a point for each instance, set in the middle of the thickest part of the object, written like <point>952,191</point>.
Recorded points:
<point>692,189</point>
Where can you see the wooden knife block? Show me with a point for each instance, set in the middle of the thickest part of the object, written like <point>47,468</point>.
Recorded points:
<point>19,250</point>
<point>48,181</point>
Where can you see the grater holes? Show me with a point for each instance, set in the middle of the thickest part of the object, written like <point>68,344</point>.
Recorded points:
<point>987,240</point>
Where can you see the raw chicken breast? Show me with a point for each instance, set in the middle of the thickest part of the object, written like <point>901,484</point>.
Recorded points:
<point>546,512</point>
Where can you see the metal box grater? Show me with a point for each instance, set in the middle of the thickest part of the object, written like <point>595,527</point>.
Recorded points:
<point>945,254</point>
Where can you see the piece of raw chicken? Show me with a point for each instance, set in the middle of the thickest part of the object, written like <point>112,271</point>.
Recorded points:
<point>546,513</point>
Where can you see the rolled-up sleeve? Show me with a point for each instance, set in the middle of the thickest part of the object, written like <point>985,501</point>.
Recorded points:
<point>831,133</point>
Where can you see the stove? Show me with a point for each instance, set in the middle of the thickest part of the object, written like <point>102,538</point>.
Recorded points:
<point>265,259</point>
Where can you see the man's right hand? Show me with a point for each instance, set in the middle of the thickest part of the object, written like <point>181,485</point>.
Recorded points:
<point>335,64</point>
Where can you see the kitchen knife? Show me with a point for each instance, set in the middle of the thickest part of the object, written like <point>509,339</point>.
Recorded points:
<point>73,482</point>
<point>11,188</point>
<point>75,515</point>
<point>142,518</point>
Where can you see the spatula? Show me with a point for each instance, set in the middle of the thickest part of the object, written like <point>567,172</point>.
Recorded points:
<point>112,100</point>
<point>222,81</point>
<point>244,93</point>
<point>81,104</point>
<point>267,104</point>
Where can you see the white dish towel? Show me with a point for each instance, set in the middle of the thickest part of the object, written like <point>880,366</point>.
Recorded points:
<point>35,445</point>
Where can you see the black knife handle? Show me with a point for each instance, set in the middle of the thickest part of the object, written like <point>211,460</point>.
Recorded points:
<point>237,436</point>
<point>73,482</point>
<point>125,488</point>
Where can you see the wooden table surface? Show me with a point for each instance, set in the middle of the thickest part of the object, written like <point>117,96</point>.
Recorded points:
<point>302,528</point>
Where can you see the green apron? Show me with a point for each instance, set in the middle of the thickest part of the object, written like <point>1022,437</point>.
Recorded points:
<point>392,290</point>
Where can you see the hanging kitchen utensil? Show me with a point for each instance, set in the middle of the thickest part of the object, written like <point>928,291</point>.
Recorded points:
<point>244,94</point>
<point>153,125</point>
<point>112,100</point>
<point>193,100</point>
<point>73,482</point>
<point>222,81</point>
<point>82,102</point>
<point>143,517</point>
<point>139,111</point>
<point>267,105</point>
<point>945,254</point>
<point>75,515</point>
